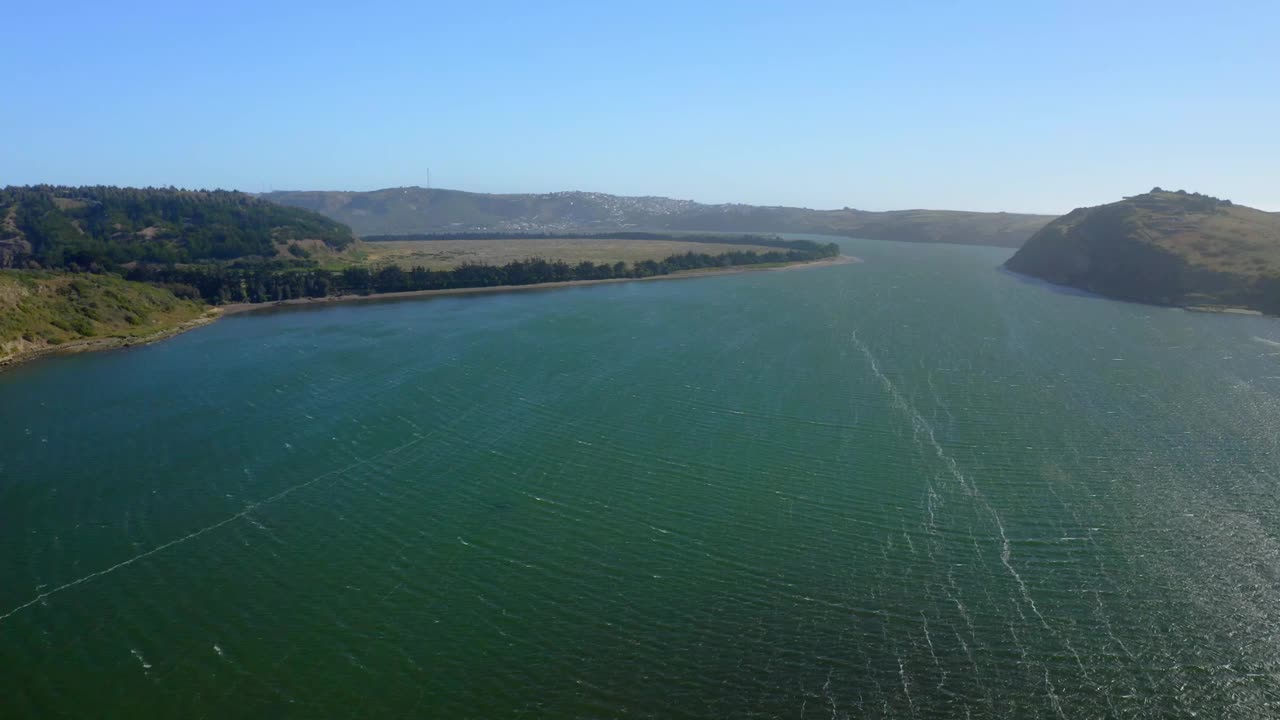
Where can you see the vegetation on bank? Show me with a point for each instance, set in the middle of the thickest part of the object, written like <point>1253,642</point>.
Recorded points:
<point>710,238</point>
<point>272,282</point>
<point>446,251</point>
<point>450,254</point>
<point>1161,247</point>
<point>44,310</point>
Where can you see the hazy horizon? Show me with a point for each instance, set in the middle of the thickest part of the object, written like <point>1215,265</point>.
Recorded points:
<point>584,190</point>
<point>1018,109</point>
<point>669,197</point>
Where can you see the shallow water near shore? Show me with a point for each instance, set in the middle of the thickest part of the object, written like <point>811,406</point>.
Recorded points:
<point>910,487</point>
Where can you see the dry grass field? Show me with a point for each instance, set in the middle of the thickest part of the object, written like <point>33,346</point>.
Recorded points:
<point>447,254</point>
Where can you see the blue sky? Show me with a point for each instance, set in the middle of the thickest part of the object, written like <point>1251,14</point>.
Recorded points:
<point>1018,106</point>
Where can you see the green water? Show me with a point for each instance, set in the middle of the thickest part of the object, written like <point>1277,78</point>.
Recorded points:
<point>913,487</point>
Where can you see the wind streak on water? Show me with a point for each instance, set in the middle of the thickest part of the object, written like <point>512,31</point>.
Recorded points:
<point>193,535</point>
<point>922,429</point>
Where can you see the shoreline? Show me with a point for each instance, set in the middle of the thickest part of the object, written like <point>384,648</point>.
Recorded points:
<point>213,313</point>
<point>1223,310</point>
<point>95,344</point>
<point>239,308</point>
<point>1081,292</point>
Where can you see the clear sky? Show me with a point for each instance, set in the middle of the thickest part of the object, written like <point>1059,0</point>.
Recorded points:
<point>1018,106</point>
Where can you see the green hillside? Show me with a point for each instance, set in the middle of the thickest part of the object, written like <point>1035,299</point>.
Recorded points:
<point>402,211</point>
<point>43,310</point>
<point>105,227</point>
<point>1169,248</point>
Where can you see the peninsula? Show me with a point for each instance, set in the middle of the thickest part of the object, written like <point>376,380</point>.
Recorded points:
<point>95,267</point>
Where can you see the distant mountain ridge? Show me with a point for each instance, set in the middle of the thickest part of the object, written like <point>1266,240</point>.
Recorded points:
<point>1167,248</point>
<point>409,210</point>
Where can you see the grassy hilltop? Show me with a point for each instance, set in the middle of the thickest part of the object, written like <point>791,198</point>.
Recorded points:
<point>1168,248</point>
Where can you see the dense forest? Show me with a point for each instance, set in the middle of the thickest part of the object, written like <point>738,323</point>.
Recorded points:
<point>101,228</point>
<point>275,281</point>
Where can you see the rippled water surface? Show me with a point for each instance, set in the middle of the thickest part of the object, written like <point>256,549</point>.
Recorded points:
<point>912,487</point>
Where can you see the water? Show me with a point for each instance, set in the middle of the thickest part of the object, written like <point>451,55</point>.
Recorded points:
<point>914,487</point>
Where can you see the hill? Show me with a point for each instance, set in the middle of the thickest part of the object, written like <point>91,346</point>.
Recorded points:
<point>1168,248</point>
<point>42,311</point>
<point>410,210</point>
<point>104,227</point>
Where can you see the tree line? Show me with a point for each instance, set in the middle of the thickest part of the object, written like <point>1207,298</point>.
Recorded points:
<point>276,281</point>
